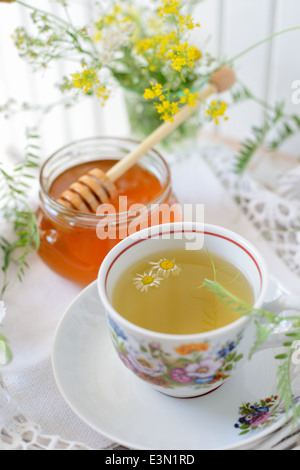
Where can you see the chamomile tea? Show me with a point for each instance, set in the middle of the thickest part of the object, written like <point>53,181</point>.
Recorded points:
<point>165,293</point>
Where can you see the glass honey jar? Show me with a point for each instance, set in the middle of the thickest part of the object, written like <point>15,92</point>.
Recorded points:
<point>70,241</point>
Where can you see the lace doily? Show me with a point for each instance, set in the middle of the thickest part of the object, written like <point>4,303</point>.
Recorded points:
<point>19,433</point>
<point>274,213</point>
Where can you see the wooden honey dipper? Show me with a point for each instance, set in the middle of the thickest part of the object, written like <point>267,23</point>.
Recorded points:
<point>98,187</point>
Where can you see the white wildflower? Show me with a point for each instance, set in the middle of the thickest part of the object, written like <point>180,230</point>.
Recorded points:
<point>143,281</point>
<point>164,267</point>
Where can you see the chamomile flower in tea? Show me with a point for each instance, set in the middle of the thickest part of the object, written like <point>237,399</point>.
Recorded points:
<point>144,281</point>
<point>165,267</point>
<point>169,295</point>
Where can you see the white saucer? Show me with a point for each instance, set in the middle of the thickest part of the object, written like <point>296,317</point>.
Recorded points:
<point>109,398</point>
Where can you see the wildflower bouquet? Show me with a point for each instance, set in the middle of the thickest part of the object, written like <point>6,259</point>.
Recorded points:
<point>144,47</point>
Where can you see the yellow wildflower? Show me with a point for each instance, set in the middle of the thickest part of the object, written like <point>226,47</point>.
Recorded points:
<point>154,92</point>
<point>189,98</point>
<point>145,44</point>
<point>97,35</point>
<point>186,21</point>
<point>118,15</point>
<point>117,9</point>
<point>148,94</point>
<point>193,54</point>
<point>216,110</point>
<point>103,93</point>
<point>111,17</point>
<point>157,89</point>
<point>170,7</point>
<point>165,41</point>
<point>183,55</point>
<point>85,80</point>
<point>19,37</point>
<point>156,46</point>
<point>167,109</point>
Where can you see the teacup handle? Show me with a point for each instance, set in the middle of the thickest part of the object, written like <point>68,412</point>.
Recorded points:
<point>285,302</point>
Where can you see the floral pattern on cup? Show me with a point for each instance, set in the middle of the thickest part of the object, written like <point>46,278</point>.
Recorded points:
<point>196,364</point>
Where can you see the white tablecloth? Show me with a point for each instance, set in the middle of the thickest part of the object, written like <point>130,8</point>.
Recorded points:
<point>35,306</point>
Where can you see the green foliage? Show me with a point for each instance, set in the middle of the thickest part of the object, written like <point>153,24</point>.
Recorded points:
<point>15,210</point>
<point>251,145</point>
<point>54,39</point>
<point>276,129</point>
<point>289,126</point>
<point>265,323</point>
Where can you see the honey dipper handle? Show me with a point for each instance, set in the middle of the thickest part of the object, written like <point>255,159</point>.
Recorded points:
<point>160,133</point>
<point>221,80</point>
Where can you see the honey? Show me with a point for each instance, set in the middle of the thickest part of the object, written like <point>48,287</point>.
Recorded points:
<point>69,242</point>
<point>138,184</point>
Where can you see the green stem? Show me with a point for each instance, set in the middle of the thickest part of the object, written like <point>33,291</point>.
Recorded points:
<point>78,45</point>
<point>286,389</point>
<point>259,43</point>
<point>43,12</point>
<point>70,29</point>
<point>263,103</point>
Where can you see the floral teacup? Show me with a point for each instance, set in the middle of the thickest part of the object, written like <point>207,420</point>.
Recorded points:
<point>194,364</point>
